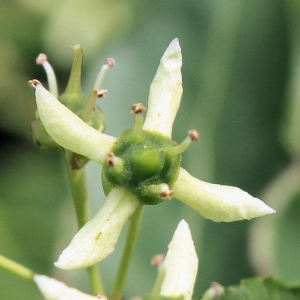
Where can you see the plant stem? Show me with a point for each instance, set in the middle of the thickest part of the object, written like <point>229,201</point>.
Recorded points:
<point>78,187</point>
<point>16,268</point>
<point>157,285</point>
<point>130,244</point>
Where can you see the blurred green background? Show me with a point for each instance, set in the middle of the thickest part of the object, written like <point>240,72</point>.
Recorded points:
<point>240,79</point>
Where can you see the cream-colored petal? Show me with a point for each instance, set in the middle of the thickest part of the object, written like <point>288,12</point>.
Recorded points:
<point>218,202</point>
<point>165,92</point>
<point>180,265</point>
<point>97,239</point>
<point>53,289</point>
<point>68,130</point>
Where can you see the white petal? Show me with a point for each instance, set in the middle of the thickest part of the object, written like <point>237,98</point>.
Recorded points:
<point>68,130</point>
<point>97,239</point>
<point>53,289</point>
<point>165,92</point>
<point>180,265</point>
<point>218,202</point>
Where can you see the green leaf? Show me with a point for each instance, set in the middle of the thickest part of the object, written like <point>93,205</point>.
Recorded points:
<point>262,289</point>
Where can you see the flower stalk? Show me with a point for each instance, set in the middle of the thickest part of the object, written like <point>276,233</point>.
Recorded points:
<point>131,239</point>
<point>16,268</point>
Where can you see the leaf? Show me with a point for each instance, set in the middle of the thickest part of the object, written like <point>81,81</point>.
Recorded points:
<point>262,289</point>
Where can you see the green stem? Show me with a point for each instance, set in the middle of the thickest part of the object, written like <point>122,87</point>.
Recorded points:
<point>16,268</point>
<point>130,244</point>
<point>79,191</point>
<point>78,187</point>
<point>157,286</point>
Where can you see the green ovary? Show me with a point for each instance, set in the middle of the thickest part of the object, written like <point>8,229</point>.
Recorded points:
<point>145,165</point>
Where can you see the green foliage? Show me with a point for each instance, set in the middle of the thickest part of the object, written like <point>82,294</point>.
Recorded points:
<point>262,289</point>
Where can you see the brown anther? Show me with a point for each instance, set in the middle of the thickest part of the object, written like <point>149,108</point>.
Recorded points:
<point>166,194</point>
<point>101,93</point>
<point>41,58</point>
<point>157,260</point>
<point>34,83</point>
<point>137,108</point>
<point>110,62</point>
<point>110,159</point>
<point>194,135</point>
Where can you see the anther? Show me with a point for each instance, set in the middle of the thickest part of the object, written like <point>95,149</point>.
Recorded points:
<point>110,62</point>
<point>34,83</point>
<point>137,108</point>
<point>157,260</point>
<point>111,159</point>
<point>194,135</point>
<point>41,58</point>
<point>166,194</point>
<point>101,93</point>
<point>115,162</point>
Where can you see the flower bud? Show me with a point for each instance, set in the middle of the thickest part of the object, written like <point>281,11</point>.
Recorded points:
<point>180,264</point>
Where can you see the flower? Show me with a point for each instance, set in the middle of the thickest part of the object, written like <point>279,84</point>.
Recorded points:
<point>141,166</point>
<point>53,289</point>
<point>180,265</point>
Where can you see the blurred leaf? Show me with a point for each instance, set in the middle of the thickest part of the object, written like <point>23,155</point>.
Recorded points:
<point>262,289</point>
<point>274,241</point>
<point>287,242</point>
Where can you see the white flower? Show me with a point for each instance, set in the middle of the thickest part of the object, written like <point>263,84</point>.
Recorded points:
<point>146,160</point>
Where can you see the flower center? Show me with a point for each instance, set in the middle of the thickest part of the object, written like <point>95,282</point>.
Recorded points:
<point>141,161</point>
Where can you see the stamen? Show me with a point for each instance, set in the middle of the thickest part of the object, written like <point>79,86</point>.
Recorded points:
<point>101,93</point>
<point>157,260</point>
<point>41,58</point>
<point>115,162</point>
<point>193,136</point>
<point>34,82</point>
<point>137,109</point>
<point>109,63</point>
<point>91,103</point>
<point>51,78</point>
